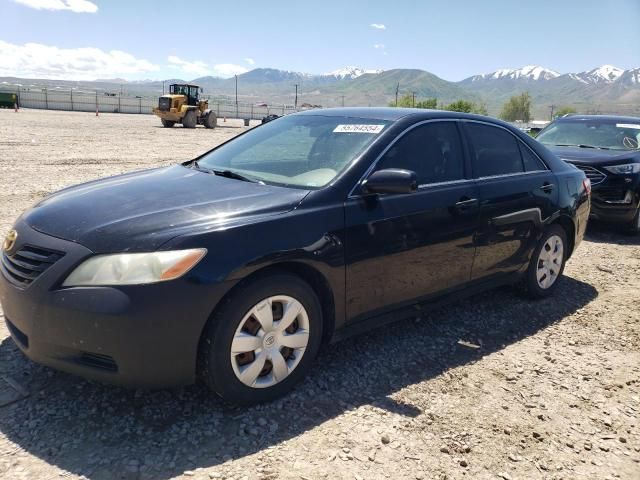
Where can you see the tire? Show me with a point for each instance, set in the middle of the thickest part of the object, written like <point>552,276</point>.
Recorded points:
<point>190,119</point>
<point>210,120</point>
<point>167,123</point>
<point>236,324</point>
<point>541,283</point>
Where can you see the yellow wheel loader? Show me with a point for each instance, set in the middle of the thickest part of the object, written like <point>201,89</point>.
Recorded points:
<point>183,105</point>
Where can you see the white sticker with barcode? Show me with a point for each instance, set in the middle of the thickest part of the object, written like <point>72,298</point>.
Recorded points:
<point>358,129</point>
<point>628,125</point>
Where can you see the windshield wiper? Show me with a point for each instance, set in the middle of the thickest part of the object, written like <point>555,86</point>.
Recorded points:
<point>224,173</point>
<point>581,145</point>
<point>235,175</point>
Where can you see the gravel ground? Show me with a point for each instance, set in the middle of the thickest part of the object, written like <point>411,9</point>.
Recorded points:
<point>547,389</point>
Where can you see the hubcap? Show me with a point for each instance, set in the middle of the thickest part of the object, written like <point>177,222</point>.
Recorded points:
<point>550,261</point>
<point>270,341</point>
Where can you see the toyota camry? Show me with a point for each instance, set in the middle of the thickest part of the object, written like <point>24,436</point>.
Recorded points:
<point>235,267</point>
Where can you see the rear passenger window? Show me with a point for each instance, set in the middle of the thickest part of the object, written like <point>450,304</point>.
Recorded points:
<point>494,151</point>
<point>531,161</point>
<point>432,150</point>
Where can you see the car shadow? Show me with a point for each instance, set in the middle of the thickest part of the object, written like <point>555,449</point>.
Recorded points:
<point>101,431</point>
<point>601,232</point>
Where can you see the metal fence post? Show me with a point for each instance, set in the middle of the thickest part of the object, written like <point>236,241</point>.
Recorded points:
<point>46,99</point>
<point>119,104</point>
<point>140,105</point>
<point>71,94</point>
<point>96,100</point>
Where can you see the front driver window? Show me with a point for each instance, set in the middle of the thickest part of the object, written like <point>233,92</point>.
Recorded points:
<point>432,150</point>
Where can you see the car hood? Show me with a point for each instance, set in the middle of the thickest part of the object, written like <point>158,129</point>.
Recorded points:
<point>594,156</point>
<point>143,210</point>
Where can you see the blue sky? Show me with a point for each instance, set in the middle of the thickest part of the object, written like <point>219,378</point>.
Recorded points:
<point>82,39</point>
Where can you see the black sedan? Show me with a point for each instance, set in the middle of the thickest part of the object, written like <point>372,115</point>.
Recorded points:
<point>606,148</point>
<point>234,268</point>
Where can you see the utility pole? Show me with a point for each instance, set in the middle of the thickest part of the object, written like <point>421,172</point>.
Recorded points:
<point>552,107</point>
<point>342,97</point>
<point>397,90</point>
<point>236,96</point>
<point>295,104</point>
<point>413,99</point>
<point>162,87</point>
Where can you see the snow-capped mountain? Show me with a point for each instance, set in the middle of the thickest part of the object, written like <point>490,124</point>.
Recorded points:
<point>603,74</point>
<point>349,72</point>
<point>630,77</point>
<point>531,72</point>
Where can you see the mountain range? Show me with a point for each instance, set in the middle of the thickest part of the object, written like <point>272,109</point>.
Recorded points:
<point>605,89</point>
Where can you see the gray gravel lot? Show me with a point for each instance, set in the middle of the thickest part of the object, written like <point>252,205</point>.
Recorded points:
<point>553,391</point>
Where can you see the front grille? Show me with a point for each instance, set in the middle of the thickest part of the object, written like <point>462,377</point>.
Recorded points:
<point>27,264</point>
<point>164,104</point>
<point>593,174</point>
<point>99,361</point>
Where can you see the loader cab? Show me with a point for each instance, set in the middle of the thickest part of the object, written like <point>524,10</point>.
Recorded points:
<point>192,92</point>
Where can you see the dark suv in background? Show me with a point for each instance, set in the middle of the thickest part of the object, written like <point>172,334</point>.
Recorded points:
<point>606,149</point>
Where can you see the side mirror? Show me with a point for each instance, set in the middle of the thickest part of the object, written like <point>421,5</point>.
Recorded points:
<point>391,180</point>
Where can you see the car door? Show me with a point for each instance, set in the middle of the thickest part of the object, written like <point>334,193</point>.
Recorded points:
<point>517,193</point>
<point>403,247</point>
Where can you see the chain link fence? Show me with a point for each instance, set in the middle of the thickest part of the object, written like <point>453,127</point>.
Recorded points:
<point>85,101</point>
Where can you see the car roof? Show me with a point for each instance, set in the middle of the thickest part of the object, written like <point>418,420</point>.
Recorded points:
<point>606,118</point>
<point>393,113</point>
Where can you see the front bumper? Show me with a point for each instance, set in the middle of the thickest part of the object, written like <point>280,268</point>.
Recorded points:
<point>617,199</point>
<point>136,336</point>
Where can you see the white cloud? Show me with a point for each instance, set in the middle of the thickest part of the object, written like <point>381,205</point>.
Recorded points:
<point>198,67</point>
<point>228,69</point>
<point>378,26</point>
<point>379,46</point>
<point>250,61</point>
<point>78,6</point>
<point>44,61</point>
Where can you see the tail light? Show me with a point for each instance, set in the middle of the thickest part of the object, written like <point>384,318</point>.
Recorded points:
<point>586,183</point>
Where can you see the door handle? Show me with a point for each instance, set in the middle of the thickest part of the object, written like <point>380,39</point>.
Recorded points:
<point>547,187</point>
<point>465,203</point>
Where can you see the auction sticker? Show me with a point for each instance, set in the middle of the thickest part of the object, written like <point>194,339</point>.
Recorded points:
<point>623,125</point>
<point>358,129</point>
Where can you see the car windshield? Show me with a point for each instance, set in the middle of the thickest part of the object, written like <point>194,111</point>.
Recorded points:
<point>302,151</point>
<point>612,135</point>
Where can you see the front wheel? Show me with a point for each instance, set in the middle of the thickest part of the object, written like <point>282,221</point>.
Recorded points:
<point>262,340</point>
<point>167,123</point>
<point>547,263</point>
<point>190,119</point>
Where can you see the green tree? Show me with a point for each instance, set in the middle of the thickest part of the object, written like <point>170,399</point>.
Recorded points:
<point>466,106</point>
<point>407,101</point>
<point>565,111</point>
<point>428,103</point>
<point>517,108</point>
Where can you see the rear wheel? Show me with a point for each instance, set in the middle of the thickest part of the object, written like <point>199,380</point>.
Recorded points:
<point>547,263</point>
<point>167,123</point>
<point>190,119</point>
<point>262,340</point>
<point>210,120</point>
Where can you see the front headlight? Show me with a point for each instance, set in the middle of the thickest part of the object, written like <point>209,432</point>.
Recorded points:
<point>626,169</point>
<point>134,268</point>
